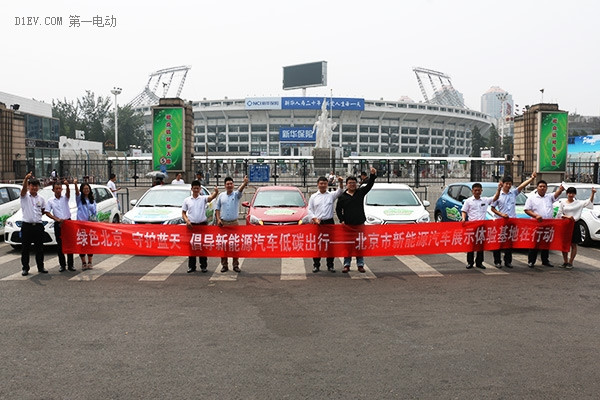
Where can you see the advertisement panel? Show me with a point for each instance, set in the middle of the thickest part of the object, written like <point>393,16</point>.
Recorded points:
<point>584,144</point>
<point>297,134</point>
<point>553,134</point>
<point>263,103</point>
<point>315,103</point>
<point>167,138</point>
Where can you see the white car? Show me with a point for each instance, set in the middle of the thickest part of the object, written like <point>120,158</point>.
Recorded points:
<point>394,203</point>
<point>589,224</point>
<point>108,211</point>
<point>161,204</point>
<point>9,202</point>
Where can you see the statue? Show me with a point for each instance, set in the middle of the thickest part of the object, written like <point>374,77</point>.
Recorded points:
<point>324,128</point>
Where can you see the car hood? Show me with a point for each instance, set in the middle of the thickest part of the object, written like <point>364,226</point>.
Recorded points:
<point>279,214</point>
<point>18,216</point>
<point>395,213</point>
<point>153,214</point>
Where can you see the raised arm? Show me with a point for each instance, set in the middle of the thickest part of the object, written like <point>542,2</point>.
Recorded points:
<point>25,183</point>
<point>526,182</point>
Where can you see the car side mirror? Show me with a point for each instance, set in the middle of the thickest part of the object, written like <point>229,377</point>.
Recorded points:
<point>133,202</point>
<point>245,204</point>
<point>426,203</point>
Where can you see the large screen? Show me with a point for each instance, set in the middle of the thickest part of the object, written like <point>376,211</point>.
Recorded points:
<point>305,75</point>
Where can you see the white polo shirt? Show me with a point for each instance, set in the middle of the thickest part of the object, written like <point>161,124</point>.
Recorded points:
<point>541,205</point>
<point>320,205</point>
<point>59,207</point>
<point>33,208</point>
<point>476,208</point>
<point>195,208</point>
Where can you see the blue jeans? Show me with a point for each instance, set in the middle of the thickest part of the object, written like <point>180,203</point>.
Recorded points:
<point>360,261</point>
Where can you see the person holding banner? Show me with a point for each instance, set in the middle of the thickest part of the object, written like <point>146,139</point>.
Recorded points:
<point>475,209</point>
<point>86,211</point>
<point>504,207</point>
<point>59,211</point>
<point>226,214</point>
<point>320,211</point>
<point>540,206</point>
<point>193,213</point>
<point>571,209</point>
<point>350,210</point>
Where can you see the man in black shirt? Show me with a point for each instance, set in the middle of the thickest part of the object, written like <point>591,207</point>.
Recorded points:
<point>350,210</point>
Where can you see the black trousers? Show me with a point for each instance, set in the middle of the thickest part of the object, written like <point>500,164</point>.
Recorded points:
<point>203,260</point>
<point>317,260</point>
<point>471,257</point>
<point>32,233</point>
<point>507,256</point>
<point>532,256</point>
<point>59,251</point>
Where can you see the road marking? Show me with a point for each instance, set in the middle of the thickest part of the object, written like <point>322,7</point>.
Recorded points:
<point>293,269</point>
<point>419,267</point>
<point>592,262</point>
<point>490,268</point>
<point>354,274</point>
<point>101,268</point>
<point>230,275</point>
<point>10,257</point>
<point>50,264</point>
<point>164,269</point>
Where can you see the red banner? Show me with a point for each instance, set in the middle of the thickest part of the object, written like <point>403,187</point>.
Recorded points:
<point>305,241</point>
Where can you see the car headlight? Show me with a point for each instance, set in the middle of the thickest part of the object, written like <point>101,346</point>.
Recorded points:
<point>424,218</point>
<point>304,220</point>
<point>175,221</point>
<point>127,220</point>
<point>255,220</point>
<point>374,220</point>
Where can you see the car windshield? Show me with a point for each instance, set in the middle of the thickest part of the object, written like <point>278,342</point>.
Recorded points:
<point>47,194</point>
<point>585,193</point>
<point>521,199</point>
<point>391,197</point>
<point>279,198</point>
<point>164,198</point>
<point>489,191</point>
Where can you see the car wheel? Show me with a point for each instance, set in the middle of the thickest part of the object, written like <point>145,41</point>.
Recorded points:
<point>116,219</point>
<point>438,217</point>
<point>585,233</point>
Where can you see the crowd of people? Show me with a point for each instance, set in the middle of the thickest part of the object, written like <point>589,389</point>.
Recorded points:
<point>349,209</point>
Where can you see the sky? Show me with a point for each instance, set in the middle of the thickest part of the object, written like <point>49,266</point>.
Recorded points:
<point>237,49</point>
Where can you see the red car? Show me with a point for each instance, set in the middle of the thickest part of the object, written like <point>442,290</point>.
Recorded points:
<point>277,205</point>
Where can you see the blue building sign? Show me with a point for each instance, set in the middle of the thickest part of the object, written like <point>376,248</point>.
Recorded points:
<point>315,103</point>
<point>259,172</point>
<point>297,134</point>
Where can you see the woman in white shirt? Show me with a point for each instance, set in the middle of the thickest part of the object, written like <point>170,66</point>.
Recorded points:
<point>572,208</point>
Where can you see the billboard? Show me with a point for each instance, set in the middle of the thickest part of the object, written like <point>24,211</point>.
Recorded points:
<point>167,138</point>
<point>584,144</point>
<point>305,75</point>
<point>297,134</point>
<point>552,146</point>
<point>315,103</point>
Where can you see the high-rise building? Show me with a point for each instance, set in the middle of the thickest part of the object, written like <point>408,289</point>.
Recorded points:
<point>493,100</point>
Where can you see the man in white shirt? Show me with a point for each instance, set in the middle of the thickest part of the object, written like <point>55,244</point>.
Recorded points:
<point>475,209</point>
<point>111,185</point>
<point>59,211</point>
<point>540,206</point>
<point>320,211</point>
<point>194,213</point>
<point>178,180</point>
<point>33,207</point>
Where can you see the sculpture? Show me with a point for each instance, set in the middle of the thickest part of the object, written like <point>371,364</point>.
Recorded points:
<point>324,127</point>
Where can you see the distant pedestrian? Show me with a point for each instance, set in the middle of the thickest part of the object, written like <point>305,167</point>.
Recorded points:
<point>53,174</point>
<point>540,206</point>
<point>226,213</point>
<point>571,208</point>
<point>200,178</point>
<point>475,209</point>
<point>363,178</point>
<point>320,211</point>
<point>178,180</point>
<point>86,211</point>
<point>59,211</point>
<point>350,210</point>
<point>111,184</point>
<point>33,207</point>
<point>505,207</point>
<point>193,213</point>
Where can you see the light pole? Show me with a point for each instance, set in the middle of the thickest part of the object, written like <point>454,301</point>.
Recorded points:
<point>116,91</point>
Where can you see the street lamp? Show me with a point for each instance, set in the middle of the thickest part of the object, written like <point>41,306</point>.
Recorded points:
<point>116,91</point>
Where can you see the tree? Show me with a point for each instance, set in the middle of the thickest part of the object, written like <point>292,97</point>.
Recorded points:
<point>131,128</point>
<point>477,142</point>
<point>507,144</point>
<point>93,114</point>
<point>68,114</point>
